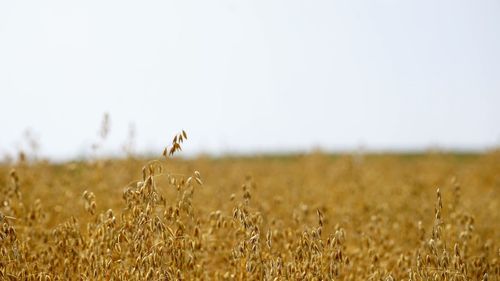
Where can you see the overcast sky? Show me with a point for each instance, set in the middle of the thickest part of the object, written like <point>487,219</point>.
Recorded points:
<point>251,76</point>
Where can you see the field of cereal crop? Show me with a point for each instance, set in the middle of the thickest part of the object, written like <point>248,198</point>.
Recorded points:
<point>316,216</point>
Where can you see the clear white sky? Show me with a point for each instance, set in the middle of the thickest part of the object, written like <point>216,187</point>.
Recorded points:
<point>257,75</point>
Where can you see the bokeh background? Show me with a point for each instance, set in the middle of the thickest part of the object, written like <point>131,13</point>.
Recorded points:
<point>250,76</point>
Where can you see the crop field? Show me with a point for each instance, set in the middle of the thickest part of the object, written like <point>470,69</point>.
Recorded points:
<point>433,216</point>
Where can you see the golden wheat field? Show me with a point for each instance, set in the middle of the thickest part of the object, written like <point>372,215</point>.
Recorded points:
<point>433,216</point>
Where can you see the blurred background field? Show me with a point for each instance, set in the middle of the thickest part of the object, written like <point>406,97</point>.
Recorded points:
<point>343,183</point>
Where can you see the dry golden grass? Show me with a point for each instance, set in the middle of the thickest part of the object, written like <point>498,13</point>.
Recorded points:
<point>312,217</point>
